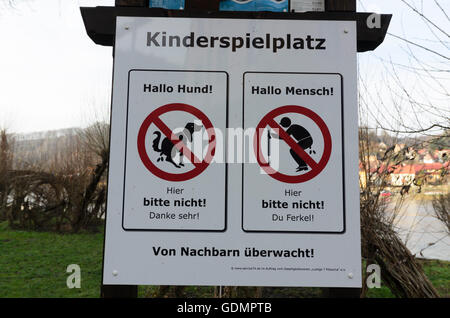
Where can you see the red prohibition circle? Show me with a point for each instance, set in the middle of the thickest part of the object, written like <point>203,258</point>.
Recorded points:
<point>154,118</point>
<point>316,167</point>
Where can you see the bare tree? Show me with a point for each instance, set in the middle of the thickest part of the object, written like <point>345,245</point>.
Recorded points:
<point>13,5</point>
<point>409,99</point>
<point>380,242</point>
<point>413,93</point>
<point>96,139</point>
<point>441,205</point>
<point>56,182</point>
<point>6,156</point>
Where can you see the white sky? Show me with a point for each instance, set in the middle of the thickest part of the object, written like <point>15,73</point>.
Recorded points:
<point>389,108</point>
<point>53,76</point>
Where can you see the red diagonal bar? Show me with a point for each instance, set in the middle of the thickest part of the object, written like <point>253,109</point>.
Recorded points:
<point>291,143</point>
<point>180,145</point>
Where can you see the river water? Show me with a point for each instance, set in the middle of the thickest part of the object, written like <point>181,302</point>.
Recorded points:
<point>417,226</point>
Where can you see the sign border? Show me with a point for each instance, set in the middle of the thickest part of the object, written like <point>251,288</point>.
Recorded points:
<point>225,154</point>
<point>343,158</point>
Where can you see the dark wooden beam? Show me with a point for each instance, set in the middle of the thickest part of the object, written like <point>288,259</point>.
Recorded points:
<point>205,5</point>
<point>340,5</point>
<point>209,5</point>
<point>100,22</point>
<point>341,292</point>
<point>131,3</point>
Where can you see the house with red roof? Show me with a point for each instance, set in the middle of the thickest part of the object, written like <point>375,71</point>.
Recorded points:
<point>403,175</point>
<point>432,172</point>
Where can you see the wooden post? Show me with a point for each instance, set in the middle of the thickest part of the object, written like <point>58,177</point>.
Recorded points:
<point>119,291</point>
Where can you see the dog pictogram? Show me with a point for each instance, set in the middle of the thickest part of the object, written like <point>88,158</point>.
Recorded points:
<point>175,143</point>
<point>167,148</point>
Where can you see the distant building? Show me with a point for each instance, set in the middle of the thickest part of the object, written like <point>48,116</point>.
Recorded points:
<point>422,152</point>
<point>428,158</point>
<point>403,175</point>
<point>433,172</point>
<point>430,172</point>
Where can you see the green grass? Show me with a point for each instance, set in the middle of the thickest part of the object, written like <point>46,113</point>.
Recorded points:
<point>33,264</point>
<point>438,272</point>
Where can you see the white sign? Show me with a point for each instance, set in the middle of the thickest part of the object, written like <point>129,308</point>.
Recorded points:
<point>233,154</point>
<point>307,5</point>
<point>166,188</point>
<point>303,187</point>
